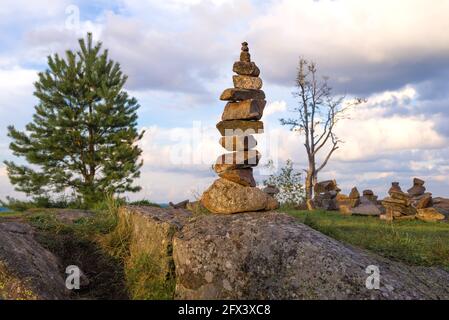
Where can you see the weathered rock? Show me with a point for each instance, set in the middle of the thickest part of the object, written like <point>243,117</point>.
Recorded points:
<point>221,168</point>
<point>394,188</point>
<point>429,215</point>
<point>325,186</point>
<point>28,270</point>
<point>244,110</point>
<point>239,127</point>
<point>442,205</point>
<point>272,256</point>
<point>151,234</point>
<point>179,205</point>
<point>240,176</point>
<point>369,195</point>
<point>272,203</point>
<point>354,194</point>
<point>345,210</point>
<point>398,205</point>
<point>238,143</point>
<point>247,82</point>
<point>247,158</point>
<point>70,216</point>
<point>401,196</point>
<point>325,201</point>
<point>246,68</point>
<point>418,188</point>
<point>227,197</point>
<point>416,191</point>
<point>367,209</point>
<point>368,199</point>
<point>346,201</point>
<point>423,201</point>
<point>234,94</point>
<point>271,190</point>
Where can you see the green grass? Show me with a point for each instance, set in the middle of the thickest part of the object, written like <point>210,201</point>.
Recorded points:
<point>79,244</point>
<point>100,246</point>
<point>412,242</point>
<point>10,214</point>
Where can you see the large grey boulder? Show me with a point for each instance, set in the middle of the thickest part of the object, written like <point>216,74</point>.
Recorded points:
<point>27,270</point>
<point>268,255</point>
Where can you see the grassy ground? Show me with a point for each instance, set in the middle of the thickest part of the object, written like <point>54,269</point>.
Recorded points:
<point>412,242</point>
<point>79,244</point>
<point>100,246</point>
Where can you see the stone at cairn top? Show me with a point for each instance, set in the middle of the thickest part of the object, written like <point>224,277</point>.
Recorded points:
<point>245,67</point>
<point>245,56</point>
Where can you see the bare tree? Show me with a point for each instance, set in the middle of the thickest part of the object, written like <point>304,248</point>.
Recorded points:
<point>318,113</point>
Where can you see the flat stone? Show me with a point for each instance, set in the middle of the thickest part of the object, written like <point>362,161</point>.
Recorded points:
<point>430,215</point>
<point>250,158</point>
<point>247,82</point>
<point>423,201</point>
<point>238,143</point>
<point>271,190</point>
<point>243,177</point>
<point>239,127</point>
<point>400,196</point>
<point>246,68</point>
<point>416,190</point>
<point>227,197</point>
<point>366,210</point>
<point>233,94</point>
<point>325,186</point>
<point>244,110</point>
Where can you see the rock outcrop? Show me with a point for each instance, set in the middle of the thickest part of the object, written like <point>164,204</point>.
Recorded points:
<point>236,191</point>
<point>268,255</point>
<point>28,270</point>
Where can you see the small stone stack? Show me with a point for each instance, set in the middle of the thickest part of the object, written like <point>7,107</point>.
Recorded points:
<point>420,198</point>
<point>369,196</point>
<point>354,197</point>
<point>326,193</point>
<point>398,205</point>
<point>236,190</point>
<point>346,203</point>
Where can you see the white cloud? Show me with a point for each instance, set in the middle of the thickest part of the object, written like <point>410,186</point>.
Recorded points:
<point>275,107</point>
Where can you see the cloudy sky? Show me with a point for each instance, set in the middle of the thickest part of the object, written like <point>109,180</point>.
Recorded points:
<point>179,54</point>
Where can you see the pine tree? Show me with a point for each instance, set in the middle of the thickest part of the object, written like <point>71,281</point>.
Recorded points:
<point>84,130</point>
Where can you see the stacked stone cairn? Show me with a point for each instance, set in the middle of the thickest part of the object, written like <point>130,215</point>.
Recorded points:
<point>423,202</point>
<point>346,203</point>
<point>326,193</point>
<point>398,205</point>
<point>415,204</point>
<point>420,198</point>
<point>235,191</point>
<point>354,204</point>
